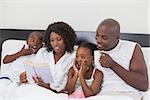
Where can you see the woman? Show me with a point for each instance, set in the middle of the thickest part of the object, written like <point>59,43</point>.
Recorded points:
<point>60,39</point>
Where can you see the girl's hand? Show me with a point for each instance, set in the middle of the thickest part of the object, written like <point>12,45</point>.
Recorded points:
<point>23,77</point>
<point>40,82</point>
<point>75,69</point>
<point>83,68</point>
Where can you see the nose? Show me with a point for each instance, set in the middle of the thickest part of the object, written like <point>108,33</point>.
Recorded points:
<point>35,43</point>
<point>99,40</point>
<point>54,43</point>
<point>79,60</point>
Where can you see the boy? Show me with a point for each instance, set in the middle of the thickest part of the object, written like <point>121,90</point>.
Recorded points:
<point>34,42</point>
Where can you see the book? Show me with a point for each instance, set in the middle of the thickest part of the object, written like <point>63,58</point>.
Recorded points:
<point>41,70</point>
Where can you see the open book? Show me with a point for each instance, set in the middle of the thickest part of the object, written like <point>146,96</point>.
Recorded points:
<point>41,70</point>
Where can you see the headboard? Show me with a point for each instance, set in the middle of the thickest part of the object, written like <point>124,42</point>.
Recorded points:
<point>21,34</point>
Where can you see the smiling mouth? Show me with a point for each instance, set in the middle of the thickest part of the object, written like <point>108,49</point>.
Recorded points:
<point>56,48</point>
<point>34,48</point>
<point>99,46</point>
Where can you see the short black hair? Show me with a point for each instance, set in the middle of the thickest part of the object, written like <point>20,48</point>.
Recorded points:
<point>112,24</point>
<point>89,46</point>
<point>64,30</point>
<point>40,33</point>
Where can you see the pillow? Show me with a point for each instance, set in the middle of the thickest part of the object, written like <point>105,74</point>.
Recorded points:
<point>10,47</point>
<point>146,52</point>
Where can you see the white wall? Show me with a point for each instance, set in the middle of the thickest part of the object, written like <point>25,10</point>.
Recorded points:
<point>80,14</point>
<point>149,16</point>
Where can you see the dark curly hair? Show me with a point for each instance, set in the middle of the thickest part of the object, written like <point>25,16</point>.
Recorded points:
<point>65,31</point>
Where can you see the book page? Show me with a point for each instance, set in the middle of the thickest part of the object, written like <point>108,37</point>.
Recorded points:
<point>41,70</point>
<point>30,71</point>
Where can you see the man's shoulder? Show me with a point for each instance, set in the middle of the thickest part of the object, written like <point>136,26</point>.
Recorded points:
<point>127,42</point>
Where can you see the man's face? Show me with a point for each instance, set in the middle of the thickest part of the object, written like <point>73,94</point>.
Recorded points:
<point>105,39</point>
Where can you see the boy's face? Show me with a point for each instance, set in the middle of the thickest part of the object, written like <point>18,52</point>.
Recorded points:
<point>34,41</point>
<point>57,43</point>
<point>84,54</point>
<point>105,39</point>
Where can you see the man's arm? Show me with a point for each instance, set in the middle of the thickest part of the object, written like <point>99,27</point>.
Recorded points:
<point>137,75</point>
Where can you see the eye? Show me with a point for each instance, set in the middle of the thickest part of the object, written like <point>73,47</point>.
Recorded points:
<point>82,57</point>
<point>32,40</point>
<point>39,42</point>
<point>104,37</point>
<point>51,40</point>
<point>59,39</point>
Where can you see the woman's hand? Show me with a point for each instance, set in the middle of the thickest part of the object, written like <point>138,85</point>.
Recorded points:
<point>23,77</point>
<point>40,82</point>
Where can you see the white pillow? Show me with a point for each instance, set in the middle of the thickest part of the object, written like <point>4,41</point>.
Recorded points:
<point>146,52</point>
<point>10,47</point>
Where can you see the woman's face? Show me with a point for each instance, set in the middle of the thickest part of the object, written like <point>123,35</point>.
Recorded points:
<point>84,54</point>
<point>57,43</point>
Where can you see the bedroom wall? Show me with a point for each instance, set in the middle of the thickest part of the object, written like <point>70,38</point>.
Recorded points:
<point>80,14</point>
<point>149,16</point>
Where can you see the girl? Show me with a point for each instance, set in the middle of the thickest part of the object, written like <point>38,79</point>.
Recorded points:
<point>84,79</point>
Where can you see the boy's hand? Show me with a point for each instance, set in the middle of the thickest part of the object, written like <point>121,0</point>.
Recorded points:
<point>23,77</point>
<point>106,61</point>
<point>25,51</point>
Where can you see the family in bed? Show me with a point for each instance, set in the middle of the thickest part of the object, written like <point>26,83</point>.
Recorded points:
<point>117,67</point>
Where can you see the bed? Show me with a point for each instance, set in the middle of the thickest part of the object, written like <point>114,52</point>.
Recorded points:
<point>10,37</point>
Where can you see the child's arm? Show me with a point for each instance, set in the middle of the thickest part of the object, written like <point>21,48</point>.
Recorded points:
<point>71,81</point>
<point>96,84</point>
<point>22,52</point>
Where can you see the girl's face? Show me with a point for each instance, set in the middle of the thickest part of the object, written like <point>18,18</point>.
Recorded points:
<point>57,43</point>
<point>84,54</point>
<point>34,41</point>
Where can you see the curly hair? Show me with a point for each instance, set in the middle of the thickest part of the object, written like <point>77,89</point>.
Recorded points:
<point>65,31</point>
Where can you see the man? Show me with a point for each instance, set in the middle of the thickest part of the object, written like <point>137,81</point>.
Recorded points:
<point>122,62</point>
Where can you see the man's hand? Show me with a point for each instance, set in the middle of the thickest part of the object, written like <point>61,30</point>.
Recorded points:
<point>106,60</point>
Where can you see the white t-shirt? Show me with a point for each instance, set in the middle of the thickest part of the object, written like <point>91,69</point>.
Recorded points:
<point>59,70</point>
<point>122,54</point>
